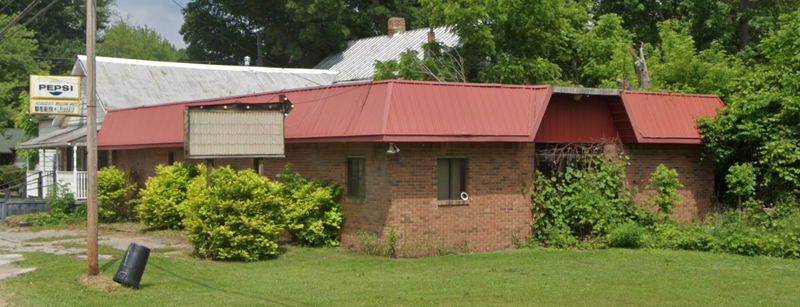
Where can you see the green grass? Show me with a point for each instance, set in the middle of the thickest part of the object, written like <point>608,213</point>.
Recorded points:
<point>305,276</point>
<point>53,239</point>
<point>102,249</point>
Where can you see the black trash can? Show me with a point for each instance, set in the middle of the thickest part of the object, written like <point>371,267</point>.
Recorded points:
<point>132,266</point>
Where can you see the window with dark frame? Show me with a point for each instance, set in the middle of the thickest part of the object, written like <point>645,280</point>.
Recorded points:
<point>355,177</point>
<point>451,178</point>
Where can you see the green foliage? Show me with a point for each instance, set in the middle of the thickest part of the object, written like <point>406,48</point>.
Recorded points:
<point>295,33</point>
<point>629,235</point>
<point>514,41</point>
<point>439,65</point>
<point>582,204</point>
<point>60,30</point>
<point>760,124</point>
<point>676,65</point>
<point>666,183</point>
<point>237,218</point>
<point>163,196</point>
<point>753,230</point>
<point>63,209</point>
<point>741,180</point>
<point>312,210</point>
<point>17,64</point>
<point>114,195</point>
<point>11,175</point>
<point>604,54</point>
<point>116,42</point>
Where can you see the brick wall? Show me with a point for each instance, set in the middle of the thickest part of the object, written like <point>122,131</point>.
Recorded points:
<point>498,181</point>
<point>401,188</point>
<point>695,174</point>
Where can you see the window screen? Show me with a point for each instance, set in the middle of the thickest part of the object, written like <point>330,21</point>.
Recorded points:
<point>355,177</point>
<point>451,178</point>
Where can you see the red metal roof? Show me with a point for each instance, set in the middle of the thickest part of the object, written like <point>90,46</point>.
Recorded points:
<point>379,111</point>
<point>413,111</point>
<point>668,117</point>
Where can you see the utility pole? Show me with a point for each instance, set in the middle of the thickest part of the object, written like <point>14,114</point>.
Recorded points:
<point>91,139</point>
<point>259,48</point>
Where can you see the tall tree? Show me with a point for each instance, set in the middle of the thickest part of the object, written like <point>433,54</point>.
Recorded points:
<point>639,16</point>
<point>117,41</point>
<point>515,41</point>
<point>16,64</point>
<point>761,122</point>
<point>60,29</point>
<point>291,32</point>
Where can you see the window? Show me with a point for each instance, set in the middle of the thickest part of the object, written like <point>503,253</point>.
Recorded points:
<point>451,177</point>
<point>355,177</point>
<point>170,158</point>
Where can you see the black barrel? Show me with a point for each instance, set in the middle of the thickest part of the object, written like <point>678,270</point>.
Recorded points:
<point>132,266</point>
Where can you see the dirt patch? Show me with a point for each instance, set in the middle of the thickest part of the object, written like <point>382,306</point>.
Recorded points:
<point>104,284</point>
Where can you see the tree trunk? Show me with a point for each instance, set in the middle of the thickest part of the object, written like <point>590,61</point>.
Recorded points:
<point>640,66</point>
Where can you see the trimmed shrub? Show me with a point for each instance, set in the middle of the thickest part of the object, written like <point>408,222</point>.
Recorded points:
<point>312,210</point>
<point>237,218</point>
<point>629,235</point>
<point>114,194</point>
<point>164,194</point>
<point>665,181</point>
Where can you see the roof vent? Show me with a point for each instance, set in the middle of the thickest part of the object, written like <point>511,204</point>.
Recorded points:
<point>396,25</point>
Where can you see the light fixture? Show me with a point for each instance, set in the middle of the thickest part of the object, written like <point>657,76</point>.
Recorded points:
<point>392,149</point>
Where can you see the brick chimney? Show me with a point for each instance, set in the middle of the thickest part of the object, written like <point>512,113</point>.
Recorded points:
<point>396,25</point>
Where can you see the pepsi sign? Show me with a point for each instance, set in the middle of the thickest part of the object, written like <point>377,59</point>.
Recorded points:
<point>55,95</point>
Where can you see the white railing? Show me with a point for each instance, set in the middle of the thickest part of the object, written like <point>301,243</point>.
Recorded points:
<point>75,181</point>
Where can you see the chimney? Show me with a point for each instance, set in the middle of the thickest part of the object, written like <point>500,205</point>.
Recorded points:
<point>431,36</point>
<point>396,25</point>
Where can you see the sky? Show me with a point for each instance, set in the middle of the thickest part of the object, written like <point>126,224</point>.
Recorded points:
<point>163,16</point>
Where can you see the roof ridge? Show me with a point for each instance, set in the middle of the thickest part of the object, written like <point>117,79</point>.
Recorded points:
<point>257,69</point>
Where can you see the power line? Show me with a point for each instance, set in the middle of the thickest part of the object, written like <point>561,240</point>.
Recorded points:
<point>19,17</point>
<point>39,13</point>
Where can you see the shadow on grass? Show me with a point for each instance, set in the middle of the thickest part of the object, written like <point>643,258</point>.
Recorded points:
<point>280,301</point>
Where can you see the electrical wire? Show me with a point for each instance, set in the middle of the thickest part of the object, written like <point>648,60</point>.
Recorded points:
<point>20,16</point>
<point>39,13</point>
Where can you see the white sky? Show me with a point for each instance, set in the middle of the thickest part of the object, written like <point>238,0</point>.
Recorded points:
<point>163,16</point>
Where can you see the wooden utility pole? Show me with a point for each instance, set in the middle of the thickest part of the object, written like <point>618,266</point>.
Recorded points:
<point>91,139</point>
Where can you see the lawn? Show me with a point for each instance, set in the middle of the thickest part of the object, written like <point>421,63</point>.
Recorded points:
<point>304,276</point>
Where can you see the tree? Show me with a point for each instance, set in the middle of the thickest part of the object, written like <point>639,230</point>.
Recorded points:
<point>603,54</point>
<point>16,64</point>
<point>760,124</point>
<point>641,17</point>
<point>61,29</point>
<point>676,65</point>
<point>117,41</point>
<point>290,32</point>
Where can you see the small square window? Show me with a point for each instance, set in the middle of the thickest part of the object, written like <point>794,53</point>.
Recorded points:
<point>451,178</point>
<point>355,177</point>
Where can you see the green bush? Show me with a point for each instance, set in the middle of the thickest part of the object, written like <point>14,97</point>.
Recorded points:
<point>629,235</point>
<point>164,194</point>
<point>665,181</point>
<point>63,209</point>
<point>741,180</point>
<point>312,210</point>
<point>583,204</point>
<point>11,175</point>
<point>749,231</point>
<point>237,218</point>
<point>114,195</point>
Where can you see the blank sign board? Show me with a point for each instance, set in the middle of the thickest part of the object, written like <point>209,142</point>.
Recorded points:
<point>234,132</point>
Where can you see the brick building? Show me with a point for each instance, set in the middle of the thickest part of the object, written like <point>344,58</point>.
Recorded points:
<point>451,163</point>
